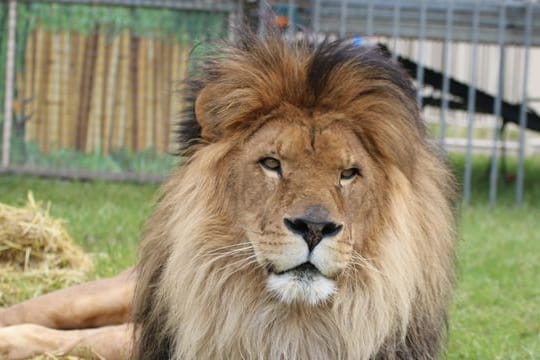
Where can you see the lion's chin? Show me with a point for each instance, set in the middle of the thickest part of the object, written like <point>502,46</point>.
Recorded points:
<point>299,287</point>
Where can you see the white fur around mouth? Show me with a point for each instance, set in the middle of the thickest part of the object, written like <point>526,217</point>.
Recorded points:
<point>294,287</point>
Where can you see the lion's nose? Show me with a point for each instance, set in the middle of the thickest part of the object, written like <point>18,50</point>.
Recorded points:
<point>312,231</point>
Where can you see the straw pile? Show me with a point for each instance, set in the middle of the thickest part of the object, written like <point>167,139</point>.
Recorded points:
<point>78,354</point>
<point>37,255</point>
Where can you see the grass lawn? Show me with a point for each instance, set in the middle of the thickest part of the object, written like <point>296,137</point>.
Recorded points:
<point>496,312</point>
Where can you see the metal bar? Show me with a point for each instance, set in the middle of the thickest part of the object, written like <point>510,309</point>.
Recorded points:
<point>523,109</point>
<point>290,18</point>
<point>224,6</point>
<point>497,108</point>
<point>235,17</point>
<point>317,17</point>
<point>261,13</point>
<point>369,23</point>
<point>79,175</point>
<point>471,99</point>
<point>343,19</point>
<point>395,28</point>
<point>447,54</point>
<point>421,41</point>
<point>10,75</point>
<point>410,19</point>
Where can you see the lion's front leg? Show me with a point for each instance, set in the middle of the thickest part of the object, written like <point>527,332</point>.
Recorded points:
<point>25,341</point>
<point>97,303</point>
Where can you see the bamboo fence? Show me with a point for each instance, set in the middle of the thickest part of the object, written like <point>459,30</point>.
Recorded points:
<point>101,92</point>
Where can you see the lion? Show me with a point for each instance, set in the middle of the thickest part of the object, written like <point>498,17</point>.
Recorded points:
<point>312,219</point>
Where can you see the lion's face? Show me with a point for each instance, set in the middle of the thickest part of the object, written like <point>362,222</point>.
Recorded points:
<point>304,188</point>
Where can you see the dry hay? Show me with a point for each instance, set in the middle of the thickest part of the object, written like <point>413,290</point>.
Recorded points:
<point>77,354</point>
<point>37,255</point>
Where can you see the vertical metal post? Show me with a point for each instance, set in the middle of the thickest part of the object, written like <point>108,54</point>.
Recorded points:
<point>317,18</point>
<point>395,28</point>
<point>447,55</point>
<point>493,172</point>
<point>471,100</point>
<point>420,66</point>
<point>10,74</point>
<point>236,16</point>
<point>261,13</point>
<point>290,16</point>
<point>523,109</point>
<point>343,19</point>
<point>369,22</point>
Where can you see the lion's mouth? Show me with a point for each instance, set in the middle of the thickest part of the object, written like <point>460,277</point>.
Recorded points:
<point>302,283</point>
<point>304,271</point>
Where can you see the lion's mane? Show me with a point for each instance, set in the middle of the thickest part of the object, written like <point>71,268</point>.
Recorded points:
<point>193,302</point>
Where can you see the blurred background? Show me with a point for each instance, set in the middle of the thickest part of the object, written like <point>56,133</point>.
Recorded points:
<point>89,88</point>
<point>90,97</point>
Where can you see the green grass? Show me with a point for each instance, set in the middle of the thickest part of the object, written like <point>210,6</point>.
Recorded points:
<point>496,311</point>
<point>105,218</point>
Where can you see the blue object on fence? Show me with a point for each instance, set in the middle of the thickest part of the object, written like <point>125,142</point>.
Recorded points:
<point>358,41</point>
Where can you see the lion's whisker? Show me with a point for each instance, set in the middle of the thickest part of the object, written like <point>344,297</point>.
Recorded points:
<point>238,266</point>
<point>224,251</point>
<point>227,254</point>
<point>363,262</point>
<point>226,247</point>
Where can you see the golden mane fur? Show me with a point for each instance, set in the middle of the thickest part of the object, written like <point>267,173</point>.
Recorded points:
<point>202,294</point>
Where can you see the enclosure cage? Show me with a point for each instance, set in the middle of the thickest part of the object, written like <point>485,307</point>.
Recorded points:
<point>91,87</point>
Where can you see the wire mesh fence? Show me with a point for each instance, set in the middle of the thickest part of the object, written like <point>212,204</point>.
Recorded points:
<point>94,81</point>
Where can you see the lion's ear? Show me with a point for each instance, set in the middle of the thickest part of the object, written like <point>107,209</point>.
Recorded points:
<point>205,114</point>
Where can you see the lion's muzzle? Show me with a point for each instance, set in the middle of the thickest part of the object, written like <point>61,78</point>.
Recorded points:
<point>306,268</point>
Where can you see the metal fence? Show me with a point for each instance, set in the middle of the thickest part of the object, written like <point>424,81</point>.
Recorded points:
<point>92,81</point>
<point>473,64</point>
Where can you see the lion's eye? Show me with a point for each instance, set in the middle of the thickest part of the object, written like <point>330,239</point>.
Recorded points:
<point>269,163</point>
<point>349,174</point>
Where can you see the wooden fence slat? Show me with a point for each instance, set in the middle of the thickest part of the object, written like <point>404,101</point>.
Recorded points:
<point>74,95</point>
<point>121,104</point>
<point>173,95</point>
<point>141,94</point>
<point>158,97</point>
<point>96,109</point>
<point>44,92</point>
<point>28,97</point>
<point>132,136</point>
<point>149,118</point>
<point>39,87</point>
<point>64,123</point>
<point>89,60</point>
<point>110,91</point>
<point>53,92</point>
<point>165,94</point>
